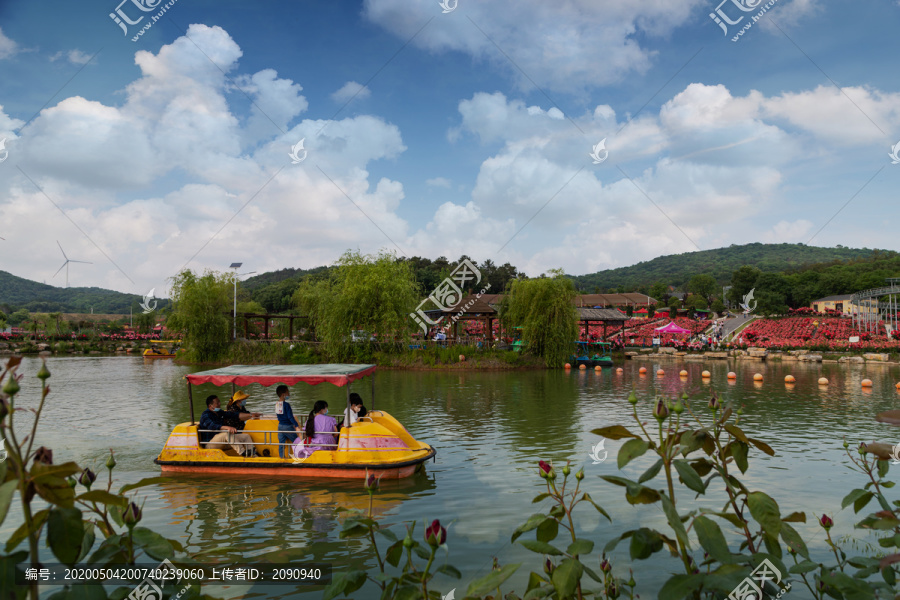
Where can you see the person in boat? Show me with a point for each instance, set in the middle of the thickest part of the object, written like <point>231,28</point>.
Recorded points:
<point>320,429</point>
<point>236,412</point>
<point>287,422</point>
<point>356,410</point>
<point>212,420</point>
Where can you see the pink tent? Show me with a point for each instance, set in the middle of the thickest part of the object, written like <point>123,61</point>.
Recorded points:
<point>672,328</point>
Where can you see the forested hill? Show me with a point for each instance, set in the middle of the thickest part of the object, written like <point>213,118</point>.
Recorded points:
<point>677,269</point>
<point>18,292</point>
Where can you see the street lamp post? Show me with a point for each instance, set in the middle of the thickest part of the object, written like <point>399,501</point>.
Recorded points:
<point>236,266</point>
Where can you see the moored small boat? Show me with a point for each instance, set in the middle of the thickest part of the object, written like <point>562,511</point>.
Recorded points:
<point>161,349</point>
<point>377,443</point>
<point>583,356</point>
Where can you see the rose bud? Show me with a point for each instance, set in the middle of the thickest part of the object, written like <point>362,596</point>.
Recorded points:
<point>371,482</point>
<point>71,481</point>
<point>631,582</point>
<point>111,461</point>
<point>612,591</point>
<point>132,515</point>
<point>12,386</point>
<point>661,412</point>
<point>632,398</point>
<point>826,522</point>
<point>548,567</point>
<point>604,565</point>
<point>714,403</point>
<point>566,470</point>
<point>44,455</point>
<point>44,373</point>
<point>579,475</point>
<point>408,541</point>
<point>4,408</point>
<point>87,478</point>
<point>547,471</point>
<point>863,448</point>
<point>435,535</point>
<point>678,408</point>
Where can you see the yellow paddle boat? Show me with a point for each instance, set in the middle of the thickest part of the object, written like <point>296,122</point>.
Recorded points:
<point>160,349</point>
<point>377,442</point>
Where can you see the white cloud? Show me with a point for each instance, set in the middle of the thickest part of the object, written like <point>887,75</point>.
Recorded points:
<point>8,47</point>
<point>789,232</point>
<point>438,182</point>
<point>565,45</point>
<point>76,57</point>
<point>351,91</point>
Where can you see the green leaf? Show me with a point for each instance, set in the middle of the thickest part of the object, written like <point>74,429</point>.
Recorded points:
<point>772,545</point>
<point>737,432</point>
<point>145,482</point>
<point>450,571</point>
<point>616,432</point>
<point>65,533</point>
<point>547,530</point>
<point>651,472</point>
<point>6,494</point>
<point>679,587</point>
<point>644,542</point>
<point>52,474</point>
<point>691,441</point>
<point>852,497</point>
<point>730,517</point>
<point>116,513</point>
<point>112,549</point>
<point>861,502</point>
<point>87,542</point>
<point>739,451</point>
<point>60,495</point>
<point>566,576</point>
<point>597,506</point>
<point>344,584</point>
<point>580,546</point>
<point>883,467</point>
<point>354,531</point>
<point>557,511</point>
<point>792,538</point>
<point>491,581</point>
<point>762,446</point>
<point>394,553</point>
<point>688,475</point>
<point>631,450</point>
<point>387,533</point>
<point>611,544</point>
<point>422,552</point>
<point>803,567</point>
<point>765,510</point>
<point>712,539</point>
<point>795,517</point>
<point>541,547</point>
<point>103,497</point>
<point>155,545</point>
<point>674,522</point>
<point>540,497</point>
<point>532,523</point>
<point>408,592</point>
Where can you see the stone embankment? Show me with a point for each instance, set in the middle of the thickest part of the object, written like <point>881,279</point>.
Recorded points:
<point>85,347</point>
<point>760,354</point>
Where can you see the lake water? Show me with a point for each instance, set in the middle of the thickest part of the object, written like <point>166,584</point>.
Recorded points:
<point>489,429</point>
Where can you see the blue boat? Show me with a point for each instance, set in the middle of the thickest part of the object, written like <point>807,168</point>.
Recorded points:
<point>584,356</point>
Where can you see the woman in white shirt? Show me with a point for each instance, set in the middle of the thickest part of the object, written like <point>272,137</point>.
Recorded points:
<point>356,410</point>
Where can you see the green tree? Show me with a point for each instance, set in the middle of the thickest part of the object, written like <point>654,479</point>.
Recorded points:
<point>659,291</point>
<point>544,310</point>
<point>742,281</point>
<point>718,306</point>
<point>374,293</point>
<point>695,301</point>
<point>201,307</point>
<point>703,285</point>
<point>3,319</point>
<point>18,317</point>
<point>674,305</point>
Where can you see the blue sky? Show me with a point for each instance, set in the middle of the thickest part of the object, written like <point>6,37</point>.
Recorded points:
<point>472,136</point>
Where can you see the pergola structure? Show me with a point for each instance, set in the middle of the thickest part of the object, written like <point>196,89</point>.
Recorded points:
<point>871,307</point>
<point>472,309</point>
<point>586,316</point>
<point>266,317</point>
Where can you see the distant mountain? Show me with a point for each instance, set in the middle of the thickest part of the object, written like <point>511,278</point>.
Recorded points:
<point>18,292</point>
<point>677,269</point>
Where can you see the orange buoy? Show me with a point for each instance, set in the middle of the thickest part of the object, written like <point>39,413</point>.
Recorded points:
<point>642,370</point>
<point>619,371</point>
<point>568,366</point>
<point>758,377</point>
<point>581,367</point>
<point>705,374</point>
<point>732,375</point>
<point>598,368</point>
<point>683,373</point>
<point>898,385</point>
<point>867,383</point>
<point>789,379</point>
<point>823,381</point>
<point>462,358</point>
<point>660,373</point>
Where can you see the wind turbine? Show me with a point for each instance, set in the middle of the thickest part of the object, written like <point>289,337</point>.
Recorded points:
<point>66,264</point>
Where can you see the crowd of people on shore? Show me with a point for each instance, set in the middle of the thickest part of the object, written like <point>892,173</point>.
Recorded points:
<point>224,429</point>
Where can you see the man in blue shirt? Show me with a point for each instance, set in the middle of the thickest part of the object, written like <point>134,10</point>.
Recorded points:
<point>287,423</point>
<point>212,420</point>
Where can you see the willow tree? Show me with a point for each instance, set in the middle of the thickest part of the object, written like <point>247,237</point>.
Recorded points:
<point>201,308</point>
<point>543,308</point>
<point>373,293</point>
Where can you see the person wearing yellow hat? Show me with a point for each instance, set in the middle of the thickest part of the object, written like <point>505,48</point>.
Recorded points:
<point>236,412</point>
